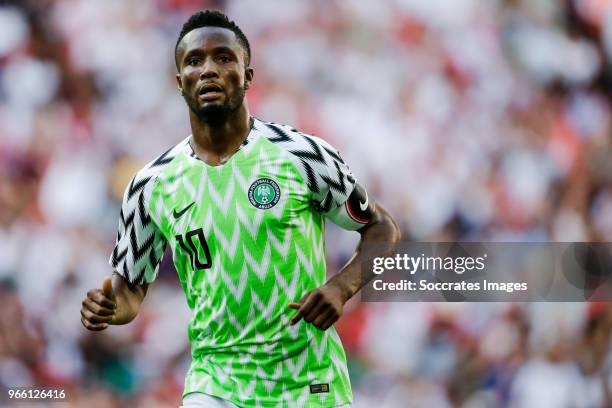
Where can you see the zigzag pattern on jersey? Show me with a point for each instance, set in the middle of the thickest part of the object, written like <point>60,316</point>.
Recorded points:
<point>319,162</point>
<point>249,253</point>
<point>239,226</point>
<point>137,255</point>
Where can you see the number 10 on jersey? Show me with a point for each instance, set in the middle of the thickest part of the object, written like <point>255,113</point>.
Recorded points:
<point>189,246</point>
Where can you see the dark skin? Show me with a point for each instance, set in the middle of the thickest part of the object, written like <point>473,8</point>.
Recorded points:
<point>324,306</point>
<point>213,74</point>
<point>115,303</point>
<point>210,58</point>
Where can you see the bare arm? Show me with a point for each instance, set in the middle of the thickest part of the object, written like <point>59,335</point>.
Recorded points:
<point>115,303</point>
<point>324,306</point>
<point>380,235</point>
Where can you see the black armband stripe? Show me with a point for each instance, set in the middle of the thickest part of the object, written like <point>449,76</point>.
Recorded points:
<point>352,213</point>
<point>355,203</point>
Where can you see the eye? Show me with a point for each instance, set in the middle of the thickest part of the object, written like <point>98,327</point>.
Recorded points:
<point>194,61</point>
<point>224,58</point>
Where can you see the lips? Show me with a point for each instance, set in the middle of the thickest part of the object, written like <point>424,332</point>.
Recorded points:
<point>209,88</point>
<point>210,92</point>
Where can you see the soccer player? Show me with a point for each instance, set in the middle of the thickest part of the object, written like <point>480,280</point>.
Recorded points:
<point>242,204</point>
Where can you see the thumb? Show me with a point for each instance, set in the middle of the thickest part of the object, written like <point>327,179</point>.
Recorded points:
<point>107,288</point>
<point>299,303</point>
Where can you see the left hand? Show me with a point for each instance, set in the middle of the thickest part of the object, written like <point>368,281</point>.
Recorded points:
<point>321,307</point>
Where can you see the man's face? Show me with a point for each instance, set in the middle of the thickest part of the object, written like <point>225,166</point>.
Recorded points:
<point>212,72</point>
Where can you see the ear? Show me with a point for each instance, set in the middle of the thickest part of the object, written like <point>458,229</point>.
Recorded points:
<point>179,83</point>
<point>248,77</point>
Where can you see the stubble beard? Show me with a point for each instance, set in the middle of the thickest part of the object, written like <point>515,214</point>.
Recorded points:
<point>217,113</point>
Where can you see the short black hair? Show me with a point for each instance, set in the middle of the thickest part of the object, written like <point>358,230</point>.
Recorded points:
<point>212,18</point>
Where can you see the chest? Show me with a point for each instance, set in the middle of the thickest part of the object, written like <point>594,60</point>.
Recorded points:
<point>247,197</point>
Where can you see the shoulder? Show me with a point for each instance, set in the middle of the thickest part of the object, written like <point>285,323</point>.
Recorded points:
<point>298,143</point>
<point>321,165</point>
<point>144,179</point>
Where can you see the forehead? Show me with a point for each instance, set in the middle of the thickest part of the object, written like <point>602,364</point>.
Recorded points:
<point>208,38</point>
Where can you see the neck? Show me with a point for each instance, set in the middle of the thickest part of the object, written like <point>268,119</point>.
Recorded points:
<point>215,142</point>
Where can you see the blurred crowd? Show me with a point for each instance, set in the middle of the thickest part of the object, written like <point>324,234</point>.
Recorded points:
<point>467,119</point>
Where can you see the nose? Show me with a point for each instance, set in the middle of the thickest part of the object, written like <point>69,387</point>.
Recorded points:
<point>209,69</point>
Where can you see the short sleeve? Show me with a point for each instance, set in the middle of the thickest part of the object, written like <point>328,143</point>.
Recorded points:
<point>338,195</point>
<point>328,177</point>
<point>332,181</point>
<point>140,244</point>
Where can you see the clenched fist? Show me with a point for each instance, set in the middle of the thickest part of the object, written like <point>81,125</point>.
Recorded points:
<point>99,307</point>
<point>322,307</point>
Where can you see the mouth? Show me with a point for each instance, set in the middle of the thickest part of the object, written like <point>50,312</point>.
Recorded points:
<point>210,91</point>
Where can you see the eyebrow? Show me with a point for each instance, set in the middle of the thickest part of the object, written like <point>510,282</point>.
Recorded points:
<point>216,50</point>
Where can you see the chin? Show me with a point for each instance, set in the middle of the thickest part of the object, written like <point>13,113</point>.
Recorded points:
<point>211,105</point>
<point>212,112</point>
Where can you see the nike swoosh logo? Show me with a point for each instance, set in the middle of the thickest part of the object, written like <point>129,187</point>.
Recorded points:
<point>364,205</point>
<point>179,214</point>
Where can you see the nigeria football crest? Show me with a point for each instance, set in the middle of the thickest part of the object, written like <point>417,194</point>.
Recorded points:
<point>264,193</point>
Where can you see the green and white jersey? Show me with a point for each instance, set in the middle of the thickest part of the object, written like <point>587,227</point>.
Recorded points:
<point>247,239</point>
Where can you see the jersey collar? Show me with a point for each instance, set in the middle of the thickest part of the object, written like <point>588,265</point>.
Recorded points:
<point>255,127</point>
